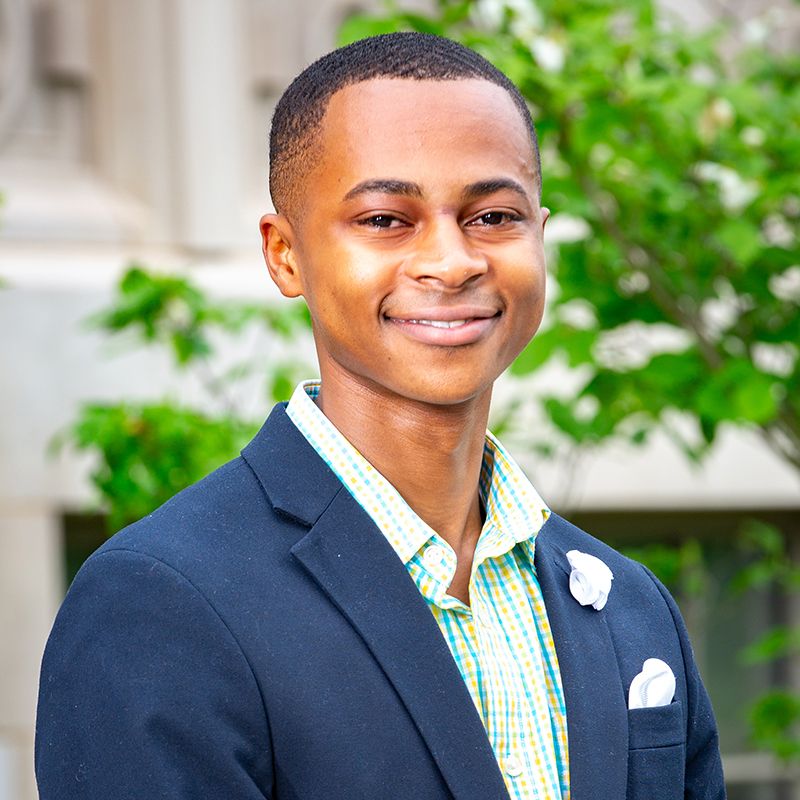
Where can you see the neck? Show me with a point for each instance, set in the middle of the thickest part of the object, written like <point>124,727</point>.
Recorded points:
<point>432,454</point>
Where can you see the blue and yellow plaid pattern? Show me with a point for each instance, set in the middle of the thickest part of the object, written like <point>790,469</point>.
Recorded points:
<point>502,641</point>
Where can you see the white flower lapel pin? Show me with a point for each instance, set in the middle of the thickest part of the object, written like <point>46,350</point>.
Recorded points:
<point>590,579</point>
<point>653,686</point>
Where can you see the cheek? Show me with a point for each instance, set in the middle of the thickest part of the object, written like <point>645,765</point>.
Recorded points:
<point>530,290</point>
<point>341,269</point>
<point>529,295</point>
<point>329,311</point>
<point>538,299</point>
<point>326,282</point>
<point>341,304</point>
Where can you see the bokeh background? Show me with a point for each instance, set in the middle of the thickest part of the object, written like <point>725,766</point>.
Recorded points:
<point>141,341</point>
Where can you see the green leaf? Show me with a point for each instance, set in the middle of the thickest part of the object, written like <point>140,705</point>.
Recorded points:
<point>776,643</point>
<point>741,238</point>
<point>148,452</point>
<point>738,392</point>
<point>360,26</point>
<point>774,719</point>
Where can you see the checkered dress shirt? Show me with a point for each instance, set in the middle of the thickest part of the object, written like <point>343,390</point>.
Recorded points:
<point>501,642</point>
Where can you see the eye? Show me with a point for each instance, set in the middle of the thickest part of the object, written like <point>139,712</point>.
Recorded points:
<point>492,218</point>
<point>380,221</point>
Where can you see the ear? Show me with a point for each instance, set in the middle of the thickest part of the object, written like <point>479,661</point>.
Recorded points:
<point>277,238</point>
<point>545,215</point>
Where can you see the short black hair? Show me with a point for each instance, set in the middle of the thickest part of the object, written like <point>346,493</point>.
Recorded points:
<point>415,56</point>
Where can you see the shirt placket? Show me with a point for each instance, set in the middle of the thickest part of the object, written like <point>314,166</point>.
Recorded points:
<point>520,745</point>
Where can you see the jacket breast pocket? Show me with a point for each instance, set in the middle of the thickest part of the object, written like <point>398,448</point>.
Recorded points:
<point>656,753</point>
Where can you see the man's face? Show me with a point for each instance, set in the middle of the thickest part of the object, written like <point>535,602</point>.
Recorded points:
<point>418,242</point>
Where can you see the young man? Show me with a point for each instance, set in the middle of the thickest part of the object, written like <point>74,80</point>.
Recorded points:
<point>373,602</point>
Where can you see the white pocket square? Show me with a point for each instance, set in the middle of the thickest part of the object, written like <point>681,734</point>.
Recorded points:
<point>653,686</point>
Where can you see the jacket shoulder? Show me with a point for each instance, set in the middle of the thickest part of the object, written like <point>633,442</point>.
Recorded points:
<point>563,535</point>
<point>216,529</point>
<point>203,506</point>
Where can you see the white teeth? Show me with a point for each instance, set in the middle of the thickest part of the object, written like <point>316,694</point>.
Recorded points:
<point>438,323</point>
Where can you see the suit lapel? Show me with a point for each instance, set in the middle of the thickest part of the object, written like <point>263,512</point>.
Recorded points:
<point>355,566</point>
<point>597,722</point>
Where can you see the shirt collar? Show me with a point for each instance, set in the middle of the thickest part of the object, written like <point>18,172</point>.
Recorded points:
<point>514,510</point>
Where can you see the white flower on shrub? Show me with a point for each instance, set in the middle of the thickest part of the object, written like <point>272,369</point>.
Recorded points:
<point>786,285</point>
<point>735,192</point>
<point>549,54</point>
<point>778,232</point>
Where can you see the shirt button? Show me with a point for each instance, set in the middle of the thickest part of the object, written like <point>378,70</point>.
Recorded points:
<point>513,767</point>
<point>433,556</point>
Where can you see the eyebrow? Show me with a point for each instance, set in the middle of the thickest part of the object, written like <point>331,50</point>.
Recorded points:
<point>385,186</point>
<point>408,189</point>
<point>487,187</point>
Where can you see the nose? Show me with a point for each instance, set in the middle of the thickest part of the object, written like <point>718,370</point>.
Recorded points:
<point>445,255</point>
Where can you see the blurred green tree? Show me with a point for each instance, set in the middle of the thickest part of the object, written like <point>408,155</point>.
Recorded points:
<point>147,452</point>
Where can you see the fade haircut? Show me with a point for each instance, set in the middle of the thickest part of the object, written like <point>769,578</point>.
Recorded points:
<point>294,141</point>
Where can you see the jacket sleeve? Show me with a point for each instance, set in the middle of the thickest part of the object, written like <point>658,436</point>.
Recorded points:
<point>145,692</point>
<point>703,779</point>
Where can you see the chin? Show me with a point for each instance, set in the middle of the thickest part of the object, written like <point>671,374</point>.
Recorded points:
<point>445,393</point>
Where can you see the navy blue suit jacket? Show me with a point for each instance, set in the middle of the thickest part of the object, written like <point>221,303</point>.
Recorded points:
<point>258,637</point>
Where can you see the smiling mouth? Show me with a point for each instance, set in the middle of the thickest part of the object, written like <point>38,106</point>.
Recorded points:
<point>438,323</point>
<point>469,327</point>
